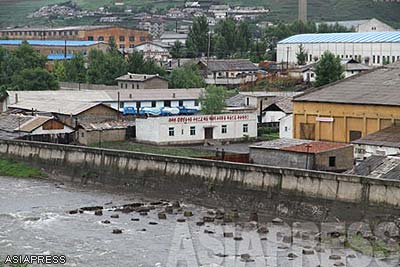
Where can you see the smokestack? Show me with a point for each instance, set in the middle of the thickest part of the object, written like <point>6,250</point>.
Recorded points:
<point>303,10</point>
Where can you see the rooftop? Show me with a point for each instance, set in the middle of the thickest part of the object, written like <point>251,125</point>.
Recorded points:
<point>375,87</point>
<point>284,103</point>
<point>109,125</point>
<point>348,37</point>
<point>69,28</point>
<point>137,77</point>
<point>298,145</point>
<point>97,96</point>
<point>230,65</point>
<point>384,167</point>
<point>50,42</point>
<point>388,137</point>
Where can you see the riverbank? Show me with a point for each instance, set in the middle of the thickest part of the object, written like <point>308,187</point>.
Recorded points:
<point>19,169</point>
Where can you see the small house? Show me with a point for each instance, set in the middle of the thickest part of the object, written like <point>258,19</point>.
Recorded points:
<point>142,81</point>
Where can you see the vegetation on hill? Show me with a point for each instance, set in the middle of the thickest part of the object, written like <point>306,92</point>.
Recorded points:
<point>15,12</point>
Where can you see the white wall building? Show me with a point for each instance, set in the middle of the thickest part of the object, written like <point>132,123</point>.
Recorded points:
<point>196,129</point>
<point>365,25</point>
<point>153,50</point>
<point>371,48</point>
<point>286,126</point>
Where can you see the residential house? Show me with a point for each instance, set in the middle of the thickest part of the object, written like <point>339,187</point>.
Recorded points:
<point>169,38</point>
<point>275,109</point>
<point>385,142</point>
<point>142,81</point>
<point>109,131</point>
<point>36,128</point>
<point>154,50</point>
<point>228,72</point>
<point>351,108</point>
<point>303,154</point>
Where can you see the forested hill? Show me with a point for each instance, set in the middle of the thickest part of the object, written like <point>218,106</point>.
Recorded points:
<point>15,12</point>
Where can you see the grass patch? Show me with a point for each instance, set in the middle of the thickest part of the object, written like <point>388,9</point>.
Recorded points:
<point>161,150</point>
<point>377,248</point>
<point>18,169</point>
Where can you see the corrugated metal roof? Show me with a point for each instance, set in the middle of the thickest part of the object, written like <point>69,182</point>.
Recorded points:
<point>50,42</point>
<point>349,37</point>
<point>388,137</point>
<point>375,87</point>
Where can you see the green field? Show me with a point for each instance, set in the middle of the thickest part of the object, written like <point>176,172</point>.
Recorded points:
<point>15,12</point>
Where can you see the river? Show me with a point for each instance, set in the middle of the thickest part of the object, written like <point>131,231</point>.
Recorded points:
<point>35,219</point>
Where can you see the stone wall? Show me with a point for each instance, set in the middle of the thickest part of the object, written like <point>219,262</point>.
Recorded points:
<point>113,166</point>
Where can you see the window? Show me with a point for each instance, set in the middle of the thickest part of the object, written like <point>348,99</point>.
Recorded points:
<point>354,135</point>
<point>181,103</point>
<point>122,38</point>
<point>373,59</point>
<point>121,104</point>
<point>153,104</point>
<point>167,103</point>
<point>245,128</point>
<point>378,59</point>
<point>286,129</point>
<point>196,103</point>
<point>192,130</point>
<point>224,129</point>
<point>122,46</point>
<point>90,38</point>
<point>310,57</point>
<point>332,161</point>
<point>131,46</point>
<point>122,85</point>
<point>171,131</point>
<point>131,38</point>
<point>82,134</point>
<point>393,59</point>
<point>247,101</point>
<point>142,38</point>
<point>101,38</point>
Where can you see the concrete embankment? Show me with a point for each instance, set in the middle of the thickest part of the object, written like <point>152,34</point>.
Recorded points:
<point>177,173</point>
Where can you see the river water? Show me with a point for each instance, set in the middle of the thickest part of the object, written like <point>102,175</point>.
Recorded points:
<point>34,219</point>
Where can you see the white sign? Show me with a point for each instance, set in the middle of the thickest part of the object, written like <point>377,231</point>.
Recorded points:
<point>324,119</point>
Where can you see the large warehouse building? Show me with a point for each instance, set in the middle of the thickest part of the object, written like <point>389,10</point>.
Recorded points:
<point>372,48</point>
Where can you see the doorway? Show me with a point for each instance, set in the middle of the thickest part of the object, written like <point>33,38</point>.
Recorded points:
<point>208,133</point>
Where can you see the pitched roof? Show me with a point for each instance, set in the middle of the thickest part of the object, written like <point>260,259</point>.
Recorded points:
<point>230,65</point>
<point>109,125</point>
<point>34,123</point>
<point>283,103</point>
<point>59,106</point>
<point>104,96</point>
<point>348,37</point>
<point>12,122</point>
<point>138,77</point>
<point>375,87</point>
<point>388,137</point>
<point>384,167</point>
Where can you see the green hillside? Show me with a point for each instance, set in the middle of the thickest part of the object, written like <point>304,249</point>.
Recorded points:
<point>14,12</point>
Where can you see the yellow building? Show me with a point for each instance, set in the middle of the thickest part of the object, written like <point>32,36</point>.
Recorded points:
<point>351,108</point>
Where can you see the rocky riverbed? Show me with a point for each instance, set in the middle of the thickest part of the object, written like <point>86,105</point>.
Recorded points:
<point>94,226</point>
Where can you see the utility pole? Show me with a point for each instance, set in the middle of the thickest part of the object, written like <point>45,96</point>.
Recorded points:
<point>287,58</point>
<point>65,49</point>
<point>308,146</point>
<point>208,52</point>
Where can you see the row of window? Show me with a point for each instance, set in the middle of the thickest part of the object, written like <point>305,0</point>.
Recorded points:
<point>224,130</point>
<point>167,103</point>
<point>40,33</point>
<point>71,52</point>
<point>121,38</point>
<point>375,59</point>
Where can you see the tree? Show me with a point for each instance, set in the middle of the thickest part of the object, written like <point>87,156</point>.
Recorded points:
<point>301,55</point>
<point>328,69</point>
<point>59,71</point>
<point>186,77</point>
<point>138,64</point>
<point>177,50</point>
<point>226,36</point>
<point>34,79</point>
<point>75,70</point>
<point>197,42</point>
<point>213,100</point>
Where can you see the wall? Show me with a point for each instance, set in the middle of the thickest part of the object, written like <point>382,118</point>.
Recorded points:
<point>344,158</point>
<point>154,83</point>
<point>343,50</point>
<point>94,137</point>
<point>86,86</point>
<point>286,127</point>
<point>281,158</point>
<point>364,118</point>
<point>117,167</point>
<point>374,25</point>
<point>156,130</point>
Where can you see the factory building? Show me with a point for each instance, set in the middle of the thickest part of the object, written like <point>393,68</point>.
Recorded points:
<point>371,48</point>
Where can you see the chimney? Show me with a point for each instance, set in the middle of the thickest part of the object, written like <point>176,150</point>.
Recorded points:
<point>303,10</point>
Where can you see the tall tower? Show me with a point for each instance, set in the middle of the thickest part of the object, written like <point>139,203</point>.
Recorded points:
<point>303,10</point>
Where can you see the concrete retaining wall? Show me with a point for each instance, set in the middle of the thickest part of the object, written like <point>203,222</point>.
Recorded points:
<point>109,165</point>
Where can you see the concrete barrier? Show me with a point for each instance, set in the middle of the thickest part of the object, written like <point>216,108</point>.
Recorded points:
<point>108,166</point>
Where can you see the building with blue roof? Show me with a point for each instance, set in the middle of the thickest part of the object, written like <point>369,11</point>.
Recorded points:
<point>57,49</point>
<point>372,48</point>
